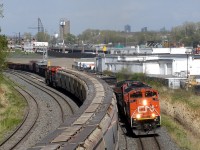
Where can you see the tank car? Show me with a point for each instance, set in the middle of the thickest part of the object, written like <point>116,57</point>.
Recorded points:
<point>139,103</point>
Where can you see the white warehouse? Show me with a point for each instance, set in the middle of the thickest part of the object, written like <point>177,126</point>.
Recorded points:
<point>179,62</point>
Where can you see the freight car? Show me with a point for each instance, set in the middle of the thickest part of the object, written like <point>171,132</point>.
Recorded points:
<point>37,67</point>
<point>139,103</point>
<point>71,83</point>
<point>40,68</point>
<point>56,77</point>
<point>18,66</point>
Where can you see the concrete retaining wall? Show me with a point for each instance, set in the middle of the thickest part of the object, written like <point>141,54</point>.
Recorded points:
<point>95,125</point>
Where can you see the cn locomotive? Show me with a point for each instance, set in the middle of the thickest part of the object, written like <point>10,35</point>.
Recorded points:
<point>139,103</point>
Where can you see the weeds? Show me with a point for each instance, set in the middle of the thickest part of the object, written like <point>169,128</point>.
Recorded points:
<point>180,135</point>
<point>12,110</point>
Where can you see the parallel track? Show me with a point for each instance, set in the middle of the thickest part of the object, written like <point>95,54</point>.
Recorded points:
<point>16,138</point>
<point>58,97</point>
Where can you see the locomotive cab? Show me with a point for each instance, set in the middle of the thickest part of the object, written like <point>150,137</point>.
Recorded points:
<point>144,109</point>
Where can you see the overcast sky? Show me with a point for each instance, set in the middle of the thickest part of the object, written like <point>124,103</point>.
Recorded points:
<point>19,15</point>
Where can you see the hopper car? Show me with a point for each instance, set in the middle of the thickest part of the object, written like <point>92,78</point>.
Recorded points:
<point>56,77</point>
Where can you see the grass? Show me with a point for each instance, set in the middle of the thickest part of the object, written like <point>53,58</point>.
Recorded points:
<point>187,97</point>
<point>180,135</point>
<point>12,106</point>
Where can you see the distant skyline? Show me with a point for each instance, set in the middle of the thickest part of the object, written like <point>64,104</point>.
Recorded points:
<point>96,14</point>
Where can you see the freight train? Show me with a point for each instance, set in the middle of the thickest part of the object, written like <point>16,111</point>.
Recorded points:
<point>56,77</point>
<point>139,103</point>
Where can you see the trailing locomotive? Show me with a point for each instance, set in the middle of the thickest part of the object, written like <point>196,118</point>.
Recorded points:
<point>50,75</point>
<point>139,103</point>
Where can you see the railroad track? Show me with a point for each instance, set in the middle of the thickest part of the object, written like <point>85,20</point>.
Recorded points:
<point>130,141</point>
<point>57,96</point>
<point>65,108</point>
<point>124,134</point>
<point>148,142</point>
<point>28,123</point>
<point>35,76</point>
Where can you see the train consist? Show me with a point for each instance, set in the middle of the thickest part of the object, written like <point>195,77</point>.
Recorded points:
<point>139,103</point>
<point>55,76</point>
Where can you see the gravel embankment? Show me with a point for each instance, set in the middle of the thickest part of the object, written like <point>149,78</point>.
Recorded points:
<point>49,117</point>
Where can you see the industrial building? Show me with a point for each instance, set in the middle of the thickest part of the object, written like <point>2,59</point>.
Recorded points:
<point>162,62</point>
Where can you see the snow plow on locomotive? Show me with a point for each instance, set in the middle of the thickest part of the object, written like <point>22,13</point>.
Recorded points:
<point>139,103</point>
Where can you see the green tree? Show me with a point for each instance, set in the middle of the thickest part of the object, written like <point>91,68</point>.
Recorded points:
<point>3,45</point>
<point>42,37</point>
<point>1,12</point>
<point>70,39</point>
<point>3,51</point>
<point>188,33</point>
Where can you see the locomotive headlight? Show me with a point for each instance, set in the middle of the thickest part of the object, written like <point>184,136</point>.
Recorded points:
<point>153,115</point>
<point>138,116</point>
<point>144,102</point>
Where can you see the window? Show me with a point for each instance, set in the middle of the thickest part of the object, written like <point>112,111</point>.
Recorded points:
<point>150,94</point>
<point>136,95</point>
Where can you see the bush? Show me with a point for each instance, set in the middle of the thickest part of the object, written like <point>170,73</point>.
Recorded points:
<point>3,53</point>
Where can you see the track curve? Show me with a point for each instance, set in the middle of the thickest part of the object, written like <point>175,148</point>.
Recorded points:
<point>29,121</point>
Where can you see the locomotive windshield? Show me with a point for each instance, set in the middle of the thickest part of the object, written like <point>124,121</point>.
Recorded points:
<point>150,94</point>
<point>136,95</point>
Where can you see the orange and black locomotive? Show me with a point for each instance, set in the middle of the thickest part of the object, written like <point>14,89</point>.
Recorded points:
<point>139,103</point>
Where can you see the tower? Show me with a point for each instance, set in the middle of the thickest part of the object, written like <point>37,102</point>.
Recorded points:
<point>40,26</point>
<point>64,27</point>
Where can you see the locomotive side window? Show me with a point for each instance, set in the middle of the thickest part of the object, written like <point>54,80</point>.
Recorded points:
<point>136,95</point>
